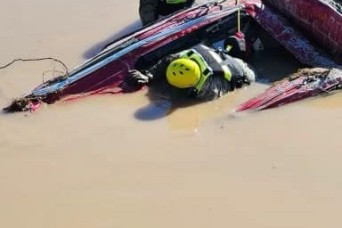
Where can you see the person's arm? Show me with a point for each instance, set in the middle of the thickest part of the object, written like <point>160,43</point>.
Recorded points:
<point>242,73</point>
<point>148,11</point>
<point>154,73</point>
<point>158,71</point>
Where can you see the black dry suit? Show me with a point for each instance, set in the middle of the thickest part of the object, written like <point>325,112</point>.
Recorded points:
<point>221,73</point>
<point>150,10</point>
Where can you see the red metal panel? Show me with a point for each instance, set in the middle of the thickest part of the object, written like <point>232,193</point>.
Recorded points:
<point>319,19</point>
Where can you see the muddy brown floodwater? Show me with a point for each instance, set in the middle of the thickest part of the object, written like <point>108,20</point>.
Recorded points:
<point>97,163</point>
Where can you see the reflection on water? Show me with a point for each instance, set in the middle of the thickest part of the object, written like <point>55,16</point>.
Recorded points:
<point>91,52</point>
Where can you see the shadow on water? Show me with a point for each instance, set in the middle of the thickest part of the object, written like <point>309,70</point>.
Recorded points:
<point>95,49</point>
<point>155,110</point>
<point>164,100</point>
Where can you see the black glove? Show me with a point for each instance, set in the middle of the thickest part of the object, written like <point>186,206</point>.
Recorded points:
<point>135,77</point>
<point>239,81</point>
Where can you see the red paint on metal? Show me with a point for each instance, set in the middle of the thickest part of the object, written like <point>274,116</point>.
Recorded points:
<point>319,19</point>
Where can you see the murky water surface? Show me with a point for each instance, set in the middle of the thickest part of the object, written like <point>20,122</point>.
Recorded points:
<point>101,162</point>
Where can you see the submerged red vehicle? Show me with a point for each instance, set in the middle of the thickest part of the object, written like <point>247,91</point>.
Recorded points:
<point>322,20</point>
<point>206,23</point>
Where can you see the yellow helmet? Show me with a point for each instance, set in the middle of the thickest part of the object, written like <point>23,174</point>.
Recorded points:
<point>183,73</point>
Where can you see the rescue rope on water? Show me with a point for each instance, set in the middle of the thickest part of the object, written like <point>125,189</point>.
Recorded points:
<point>238,17</point>
<point>66,73</point>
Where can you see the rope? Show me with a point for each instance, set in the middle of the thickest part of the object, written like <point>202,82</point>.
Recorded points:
<point>238,17</point>
<point>36,59</point>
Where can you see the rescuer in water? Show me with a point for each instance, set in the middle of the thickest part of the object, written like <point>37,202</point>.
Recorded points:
<point>201,73</point>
